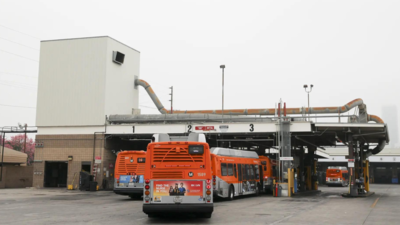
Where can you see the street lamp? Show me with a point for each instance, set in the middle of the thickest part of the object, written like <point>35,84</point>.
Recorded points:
<point>308,96</point>
<point>223,68</point>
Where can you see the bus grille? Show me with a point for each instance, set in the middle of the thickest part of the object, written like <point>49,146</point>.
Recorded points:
<point>125,167</point>
<point>170,155</point>
<point>167,174</point>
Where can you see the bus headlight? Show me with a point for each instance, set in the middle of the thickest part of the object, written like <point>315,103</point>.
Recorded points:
<point>147,199</point>
<point>208,198</point>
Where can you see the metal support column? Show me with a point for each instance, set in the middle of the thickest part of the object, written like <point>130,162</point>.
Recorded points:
<point>366,175</point>
<point>352,185</point>
<point>314,176</point>
<point>2,157</point>
<point>301,177</point>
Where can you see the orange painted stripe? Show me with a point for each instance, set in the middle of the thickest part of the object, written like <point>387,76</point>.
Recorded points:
<point>376,201</point>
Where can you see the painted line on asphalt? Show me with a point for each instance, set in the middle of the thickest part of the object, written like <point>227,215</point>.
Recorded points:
<point>376,201</point>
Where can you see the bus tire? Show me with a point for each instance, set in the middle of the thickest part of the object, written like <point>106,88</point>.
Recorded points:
<point>231,193</point>
<point>258,189</point>
<point>204,215</point>
<point>135,196</point>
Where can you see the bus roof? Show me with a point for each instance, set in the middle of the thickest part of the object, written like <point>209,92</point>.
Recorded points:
<point>129,152</point>
<point>234,153</point>
<point>337,167</point>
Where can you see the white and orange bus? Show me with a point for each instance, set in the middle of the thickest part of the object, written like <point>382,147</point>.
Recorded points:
<point>337,175</point>
<point>178,178</point>
<point>235,172</point>
<point>129,172</point>
<point>269,171</point>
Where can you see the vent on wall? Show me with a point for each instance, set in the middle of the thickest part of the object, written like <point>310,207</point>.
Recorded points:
<point>118,57</point>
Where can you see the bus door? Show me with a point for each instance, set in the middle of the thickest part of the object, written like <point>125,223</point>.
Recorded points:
<point>240,186</point>
<point>260,168</point>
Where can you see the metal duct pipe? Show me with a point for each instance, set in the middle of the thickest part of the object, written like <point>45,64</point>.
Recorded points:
<point>379,147</point>
<point>152,95</point>
<point>374,118</point>
<point>312,110</point>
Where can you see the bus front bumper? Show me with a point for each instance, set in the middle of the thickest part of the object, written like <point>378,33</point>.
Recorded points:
<point>178,208</point>
<point>333,182</point>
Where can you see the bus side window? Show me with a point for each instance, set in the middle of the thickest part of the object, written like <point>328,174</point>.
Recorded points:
<point>244,172</point>
<point>234,170</point>
<point>265,168</point>
<point>223,169</point>
<point>230,169</point>
<point>249,172</point>
<point>240,172</point>
<point>257,172</point>
<point>252,171</point>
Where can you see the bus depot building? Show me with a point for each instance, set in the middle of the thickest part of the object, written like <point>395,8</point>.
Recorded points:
<point>87,111</point>
<point>80,82</point>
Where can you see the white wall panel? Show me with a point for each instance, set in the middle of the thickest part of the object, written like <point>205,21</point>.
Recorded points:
<point>121,96</point>
<point>79,84</point>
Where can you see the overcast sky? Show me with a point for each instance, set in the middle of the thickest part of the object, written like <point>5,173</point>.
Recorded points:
<point>346,49</point>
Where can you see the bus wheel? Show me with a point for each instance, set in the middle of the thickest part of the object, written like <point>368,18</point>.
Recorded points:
<point>231,193</point>
<point>204,215</point>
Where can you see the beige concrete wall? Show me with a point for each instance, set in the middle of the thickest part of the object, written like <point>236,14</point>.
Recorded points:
<point>17,176</point>
<point>59,147</point>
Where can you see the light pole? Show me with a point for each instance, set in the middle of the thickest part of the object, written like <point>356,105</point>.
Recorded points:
<point>308,96</point>
<point>223,68</point>
<point>172,98</point>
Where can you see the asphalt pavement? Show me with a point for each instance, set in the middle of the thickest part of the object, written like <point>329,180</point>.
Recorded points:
<point>61,206</point>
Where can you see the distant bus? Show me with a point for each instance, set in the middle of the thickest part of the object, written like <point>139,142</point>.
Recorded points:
<point>129,172</point>
<point>178,179</point>
<point>337,176</point>
<point>235,172</point>
<point>270,172</point>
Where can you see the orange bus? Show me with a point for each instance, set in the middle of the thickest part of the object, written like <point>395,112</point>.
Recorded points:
<point>178,179</point>
<point>270,172</point>
<point>129,172</point>
<point>235,172</point>
<point>337,176</point>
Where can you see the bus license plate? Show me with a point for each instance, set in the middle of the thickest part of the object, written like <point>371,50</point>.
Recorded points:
<point>177,199</point>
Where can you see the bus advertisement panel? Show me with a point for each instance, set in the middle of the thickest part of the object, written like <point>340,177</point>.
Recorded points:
<point>178,188</point>
<point>134,179</point>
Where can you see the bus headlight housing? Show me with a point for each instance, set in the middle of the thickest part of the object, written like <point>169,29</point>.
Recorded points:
<point>208,198</point>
